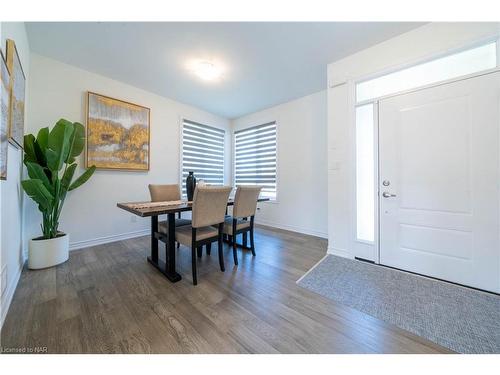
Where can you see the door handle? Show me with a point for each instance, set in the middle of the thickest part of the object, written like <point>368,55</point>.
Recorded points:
<point>385,194</point>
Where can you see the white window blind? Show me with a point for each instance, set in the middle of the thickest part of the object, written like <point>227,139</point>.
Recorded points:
<point>202,153</point>
<point>255,158</point>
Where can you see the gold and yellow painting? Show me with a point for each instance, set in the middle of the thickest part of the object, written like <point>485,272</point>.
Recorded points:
<point>4,116</point>
<point>117,134</point>
<point>17,93</point>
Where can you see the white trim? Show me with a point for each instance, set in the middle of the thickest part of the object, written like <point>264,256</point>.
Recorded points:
<point>376,244</point>
<point>107,239</point>
<point>498,51</point>
<point>339,252</point>
<point>181,140</point>
<point>292,228</point>
<point>313,267</point>
<point>9,294</point>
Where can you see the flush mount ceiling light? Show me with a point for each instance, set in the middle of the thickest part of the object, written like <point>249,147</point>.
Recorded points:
<point>206,70</point>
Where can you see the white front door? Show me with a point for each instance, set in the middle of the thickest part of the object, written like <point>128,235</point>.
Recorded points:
<point>439,181</point>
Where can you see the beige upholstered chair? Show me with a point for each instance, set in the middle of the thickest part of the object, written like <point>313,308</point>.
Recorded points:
<point>209,207</point>
<point>245,205</point>
<point>163,193</point>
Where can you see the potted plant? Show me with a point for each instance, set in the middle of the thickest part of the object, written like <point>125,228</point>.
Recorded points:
<point>50,159</point>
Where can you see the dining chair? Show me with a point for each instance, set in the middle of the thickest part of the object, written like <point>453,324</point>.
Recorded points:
<point>245,205</point>
<point>164,193</point>
<point>209,207</point>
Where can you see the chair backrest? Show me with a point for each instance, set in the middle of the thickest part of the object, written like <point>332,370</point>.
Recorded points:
<point>209,205</point>
<point>162,193</point>
<point>245,201</point>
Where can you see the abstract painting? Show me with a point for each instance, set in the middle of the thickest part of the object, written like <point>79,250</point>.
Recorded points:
<point>117,134</point>
<point>4,116</point>
<point>17,92</point>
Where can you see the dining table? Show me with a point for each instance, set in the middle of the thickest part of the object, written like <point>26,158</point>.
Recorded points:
<point>169,208</point>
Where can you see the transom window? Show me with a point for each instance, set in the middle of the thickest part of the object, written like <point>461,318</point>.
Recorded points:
<point>202,153</point>
<point>452,66</point>
<point>255,158</point>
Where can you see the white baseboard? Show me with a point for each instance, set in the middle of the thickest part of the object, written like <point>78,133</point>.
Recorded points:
<point>107,239</point>
<point>292,228</point>
<point>339,252</point>
<point>9,294</point>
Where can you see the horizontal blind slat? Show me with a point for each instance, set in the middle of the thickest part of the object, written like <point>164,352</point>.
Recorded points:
<point>202,151</point>
<point>201,138</point>
<point>254,128</point>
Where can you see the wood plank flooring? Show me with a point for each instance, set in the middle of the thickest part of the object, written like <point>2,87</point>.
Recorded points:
<point>108,299</point>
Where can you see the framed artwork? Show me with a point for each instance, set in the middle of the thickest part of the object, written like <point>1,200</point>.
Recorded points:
<point>17,93</point>
<point>4,114</point>
<point>117,134</point>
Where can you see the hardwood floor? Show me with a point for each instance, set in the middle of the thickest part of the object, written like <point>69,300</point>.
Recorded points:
<point>108,299</point>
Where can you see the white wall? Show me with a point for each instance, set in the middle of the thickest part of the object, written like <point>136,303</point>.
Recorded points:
<point>302,164</point>
<point>90,214</point>
<point>12,257</point>
<point>415,46</point>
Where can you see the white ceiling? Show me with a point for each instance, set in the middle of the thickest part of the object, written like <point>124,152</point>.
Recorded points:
<point>265,64</point>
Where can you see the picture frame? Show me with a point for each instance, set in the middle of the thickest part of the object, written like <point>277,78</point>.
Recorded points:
<point>4,115</point>
<point>17,95</point>
<point>118,134</point>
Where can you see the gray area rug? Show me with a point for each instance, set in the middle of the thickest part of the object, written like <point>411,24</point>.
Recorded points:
<point>461,319</point>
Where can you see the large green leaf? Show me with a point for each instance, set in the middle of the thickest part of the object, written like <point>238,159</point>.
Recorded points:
<point>39,193</point>
<point>59,143</point>
<point>77,142</point>
<point>83,178</point>
<point>68,176</point>
<point>41,144</point>
<point>42,138</point>
<point>35,171</point>
<point>52,160</point>
<point>29,149</point>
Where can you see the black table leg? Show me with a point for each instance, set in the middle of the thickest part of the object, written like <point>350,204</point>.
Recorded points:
<point>168,269</point>
<point>172,274</point>
<point>154,240</point>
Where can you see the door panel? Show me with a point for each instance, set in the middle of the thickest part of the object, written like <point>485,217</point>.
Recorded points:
<point>439,149</point>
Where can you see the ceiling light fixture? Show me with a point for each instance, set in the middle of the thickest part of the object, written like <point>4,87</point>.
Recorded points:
<point>207,71</point>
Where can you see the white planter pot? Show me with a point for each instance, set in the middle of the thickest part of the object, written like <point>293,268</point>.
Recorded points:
<point>48,253</point>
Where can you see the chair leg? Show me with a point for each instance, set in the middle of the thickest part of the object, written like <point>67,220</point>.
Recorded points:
<point>178,244</point>
<point>252,243</point>
<point>193,265</point>
<point>221,254</point>
<point>235,253</point>
<point>193,257</point>
<point>199,250</point>
<point>244,239</point>
<point>209,248</point>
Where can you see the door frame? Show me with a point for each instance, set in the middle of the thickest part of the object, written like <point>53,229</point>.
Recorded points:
<point>376,166</point>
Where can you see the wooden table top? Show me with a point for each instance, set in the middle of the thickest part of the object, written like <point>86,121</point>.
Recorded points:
<point>167,209</point>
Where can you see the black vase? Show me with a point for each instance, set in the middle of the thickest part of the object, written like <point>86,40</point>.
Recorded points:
<point>190,185</point>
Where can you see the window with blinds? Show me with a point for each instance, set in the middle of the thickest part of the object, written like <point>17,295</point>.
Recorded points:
<point>255,158</point>
<point>202,153</point>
